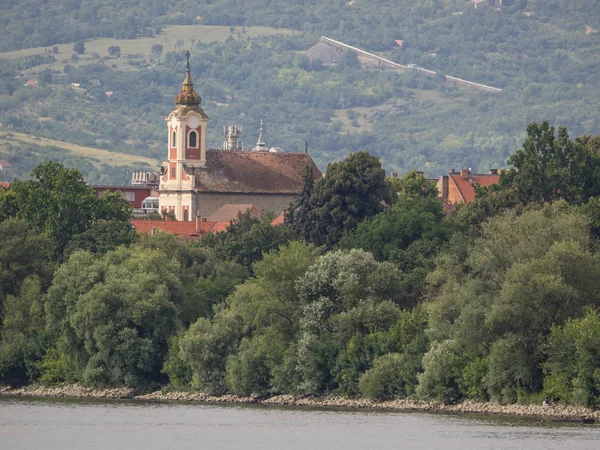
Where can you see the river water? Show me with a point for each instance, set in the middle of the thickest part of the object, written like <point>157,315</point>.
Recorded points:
<point>76,424</point>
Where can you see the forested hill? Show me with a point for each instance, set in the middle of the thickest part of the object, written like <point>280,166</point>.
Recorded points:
<point>544,54</point>
<point>371,23</point>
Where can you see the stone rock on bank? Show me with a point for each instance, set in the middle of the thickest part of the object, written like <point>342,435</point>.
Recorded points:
<point>469,407</point>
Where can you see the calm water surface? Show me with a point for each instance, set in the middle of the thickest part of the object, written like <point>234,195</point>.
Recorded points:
<point>73,424</point>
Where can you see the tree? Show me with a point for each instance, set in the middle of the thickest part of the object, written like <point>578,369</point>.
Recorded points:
<point>261,316</point>
<point>103,236</point>
<point>409,234</point>
<point>23,253</point>
<point>550,167</point>
<point>299,215</point>
<point>22,337</point>
<point>45,77</point>
<point>157,49</point>
<point>411,186</point>
<point>205,346</point>
<point>79,47</point>
<point>547,168</point>
<point>248,238</point>
<point>112,316</point>
<point>499,299</point>
<point>207,279</point>
<point>344,278</point>
<point>114,50</point>
<point>442,368</point>
<point>384,380</point>
<point>249,370</point>
<point>489,201</point>
<point>395,355</point>
<point>571,369</point>
<point>350,191</point>
<point>59,205</point>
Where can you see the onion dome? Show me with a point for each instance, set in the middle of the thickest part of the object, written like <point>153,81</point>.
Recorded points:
<point>187,96</point>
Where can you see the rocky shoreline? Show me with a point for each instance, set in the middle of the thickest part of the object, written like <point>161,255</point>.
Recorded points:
<point>559,412</point>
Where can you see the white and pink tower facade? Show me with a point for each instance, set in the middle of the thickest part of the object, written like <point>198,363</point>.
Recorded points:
<point>186,126</point>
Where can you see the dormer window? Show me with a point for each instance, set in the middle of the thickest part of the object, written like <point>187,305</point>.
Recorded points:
<point>173,139</point>
<point>193,139</point>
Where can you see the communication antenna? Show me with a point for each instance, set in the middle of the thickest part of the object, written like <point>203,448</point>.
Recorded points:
<point>232,134</point>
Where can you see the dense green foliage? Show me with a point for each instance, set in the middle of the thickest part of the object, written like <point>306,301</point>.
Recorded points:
<point>59,204</point>
<point>550,167</point>
<point>409,233</point>
<point>352,190</point>
<point>395,297</point>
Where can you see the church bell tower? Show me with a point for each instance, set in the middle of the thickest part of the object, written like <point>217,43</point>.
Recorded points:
<point>186,127</point>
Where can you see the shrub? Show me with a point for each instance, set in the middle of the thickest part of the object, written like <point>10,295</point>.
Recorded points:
<point>510,369</point>
<point>178,370</point>
<point>247,371</point>
<point>442,369</point>
<point>55,368</point>
<point>473,380</point>
<point>384,381</point>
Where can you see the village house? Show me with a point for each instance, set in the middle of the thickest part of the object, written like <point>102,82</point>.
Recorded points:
<point>4,164</point>
<point>134,195</point>
<point>459,187</point>
<point>191,229</point>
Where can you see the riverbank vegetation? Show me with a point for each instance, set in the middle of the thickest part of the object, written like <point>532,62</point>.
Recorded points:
<point>371,289</point>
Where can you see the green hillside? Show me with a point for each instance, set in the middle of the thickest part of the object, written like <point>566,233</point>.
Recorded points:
<point>545,55</point>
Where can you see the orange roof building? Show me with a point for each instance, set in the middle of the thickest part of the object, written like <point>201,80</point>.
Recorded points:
<point>278,220</point>
<point>459,187</point>
<point>193,229</point>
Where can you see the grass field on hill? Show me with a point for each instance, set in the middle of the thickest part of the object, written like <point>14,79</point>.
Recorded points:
<point>96,156</point>
<point>172,38</point>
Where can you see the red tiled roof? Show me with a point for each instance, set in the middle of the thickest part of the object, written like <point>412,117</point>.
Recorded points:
<point>207,227</point>
<point>220,227</point>
<point>254,172</point>
<point>227,213</point>
<point>4,163</point>
<point>131,187</point>
<point>179,228</point>
<point>277,220</point>
<point>465,185</point>
<point>169,226</point>
<point>5,185</point>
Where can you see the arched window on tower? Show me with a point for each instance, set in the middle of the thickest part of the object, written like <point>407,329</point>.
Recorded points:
<point>173,139</point>
<point>185,215</point>
<point>193,139</point>
<point>173,173</point>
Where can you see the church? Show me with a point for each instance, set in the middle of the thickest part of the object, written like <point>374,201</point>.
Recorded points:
<point>195,182</point>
